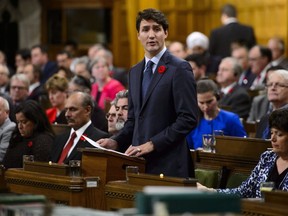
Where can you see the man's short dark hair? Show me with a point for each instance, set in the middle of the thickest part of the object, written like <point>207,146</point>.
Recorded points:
<point>229,10</point>
<point>24,53</point>
<point>152,14</point>
<point>43,48</point>
<point>265,52</point>
<point>198,59</point>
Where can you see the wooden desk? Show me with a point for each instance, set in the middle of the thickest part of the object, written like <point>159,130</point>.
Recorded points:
<point>233,155</point>
<point>275,204</point>
<point>98,167</point>
<point>121,194</point>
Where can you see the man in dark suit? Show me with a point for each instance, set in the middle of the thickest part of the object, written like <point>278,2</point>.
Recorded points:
<point>161,115</point>
<point>39,57</point>
<point>78,113</point>
<point>234,96</point>
<point>221,38</point>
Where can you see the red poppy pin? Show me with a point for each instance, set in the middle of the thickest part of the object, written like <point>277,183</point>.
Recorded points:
<point>30,144</point>
<point>83,138</point>
<point>161,69</point>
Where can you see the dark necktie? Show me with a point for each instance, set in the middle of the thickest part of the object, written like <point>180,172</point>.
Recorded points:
<point>147,77</point>
<point>67,148</point>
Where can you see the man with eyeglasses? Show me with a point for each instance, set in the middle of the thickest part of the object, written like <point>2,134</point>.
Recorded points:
<point>111,117</point>
<point>19,88</point>
<point>259,60</point>
<point>277,93</point>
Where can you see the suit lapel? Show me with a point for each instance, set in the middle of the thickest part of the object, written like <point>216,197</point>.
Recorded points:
<point>157,76</point>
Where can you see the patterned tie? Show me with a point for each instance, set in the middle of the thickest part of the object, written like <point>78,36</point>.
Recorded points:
<point>67,148</point>
<point>147,78</point>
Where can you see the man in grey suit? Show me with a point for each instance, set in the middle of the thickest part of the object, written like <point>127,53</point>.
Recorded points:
<point>6,127</point>
<point>163,112</point>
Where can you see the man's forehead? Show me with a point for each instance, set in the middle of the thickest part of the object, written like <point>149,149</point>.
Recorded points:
<point>147,23</point>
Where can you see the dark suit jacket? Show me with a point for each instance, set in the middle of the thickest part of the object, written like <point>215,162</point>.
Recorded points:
<point>167,114</point>
<point>49,69</point>
<point>238,100</point>
<point>221,38</point>
<point>247,78</point>
<point>121,75</point>
<point>60,141</point>
<point>259,108</point>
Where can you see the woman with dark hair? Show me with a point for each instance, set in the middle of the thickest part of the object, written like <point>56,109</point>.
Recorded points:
<point>32,136</point>
<point>212,117</point>
<point>272,166</point>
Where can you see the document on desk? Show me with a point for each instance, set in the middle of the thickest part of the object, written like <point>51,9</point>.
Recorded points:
<point>97,145</point>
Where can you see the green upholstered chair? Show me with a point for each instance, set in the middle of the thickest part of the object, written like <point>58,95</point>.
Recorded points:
<point>235,179</point>
<point>208,178</point>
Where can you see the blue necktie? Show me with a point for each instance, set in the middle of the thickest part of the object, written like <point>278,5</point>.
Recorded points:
<point>147,77</point>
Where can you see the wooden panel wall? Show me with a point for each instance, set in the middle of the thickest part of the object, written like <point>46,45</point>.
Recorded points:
<point>269,18</point>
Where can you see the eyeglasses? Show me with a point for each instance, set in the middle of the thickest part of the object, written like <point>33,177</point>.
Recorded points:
<point>112,115</point>
<point>125,107</point>
<point>276,85</point>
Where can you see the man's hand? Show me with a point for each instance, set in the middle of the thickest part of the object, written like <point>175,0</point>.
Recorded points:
<point>108,143</point>
<point>140,150</point>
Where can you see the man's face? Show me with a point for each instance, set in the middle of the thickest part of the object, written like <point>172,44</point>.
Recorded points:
<point>28,71</point>
<point>37,57</point>
<point>256,61</point>
<point>76,114</point>
<point>178,50</point>
<point>225,75</point>
<point>277,89</point>
<point>122,112</point>
<point>3,113</point>
<point>273,45</point>
<point>112,119</point>
<point>63,60</point>
<point>241,54</point>
<point>152,36</point>
<point>3,76</point>
<point>18,90</point>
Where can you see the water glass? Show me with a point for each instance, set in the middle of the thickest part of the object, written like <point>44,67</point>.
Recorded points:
<point>208,143</point>
<point>75,167</point>
<point>266,186</point>
<point>131,169</point>
<point>27,158</point>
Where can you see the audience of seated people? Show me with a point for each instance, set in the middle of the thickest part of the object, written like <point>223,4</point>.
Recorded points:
<point>272,166</point>
<point>33,135</point>
<point>212,117</point>
<point>233,96</point>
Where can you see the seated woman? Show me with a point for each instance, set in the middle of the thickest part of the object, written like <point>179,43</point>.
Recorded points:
<point>32,136</point>
<point>212,117</point>
<point>57,88</point>
<point>272,166</point>
<point>105,88</point>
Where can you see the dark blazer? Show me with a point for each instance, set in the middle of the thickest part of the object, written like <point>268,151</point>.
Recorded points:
<point>49,69</point>
<point>60,141</point>
<point>222,37</point>
<point>167,114</point>
<point>246,79</point>
<point>238,100</point>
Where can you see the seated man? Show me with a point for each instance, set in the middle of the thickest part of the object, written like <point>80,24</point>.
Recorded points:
<point>6,127</point>
<point>111,117</point>
<point>78,113</point>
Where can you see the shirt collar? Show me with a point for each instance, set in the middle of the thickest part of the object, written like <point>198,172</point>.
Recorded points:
<point>228,88</point>
<point>230,20</point>
<point>81,130</point>
<point>157,57</point>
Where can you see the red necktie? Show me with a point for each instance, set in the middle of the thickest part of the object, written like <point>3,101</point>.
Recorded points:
<point>67,148</point>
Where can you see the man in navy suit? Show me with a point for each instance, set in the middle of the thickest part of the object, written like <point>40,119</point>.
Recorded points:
<point>78,114</point>
<point>221,38</point>
<point>159,121</point>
